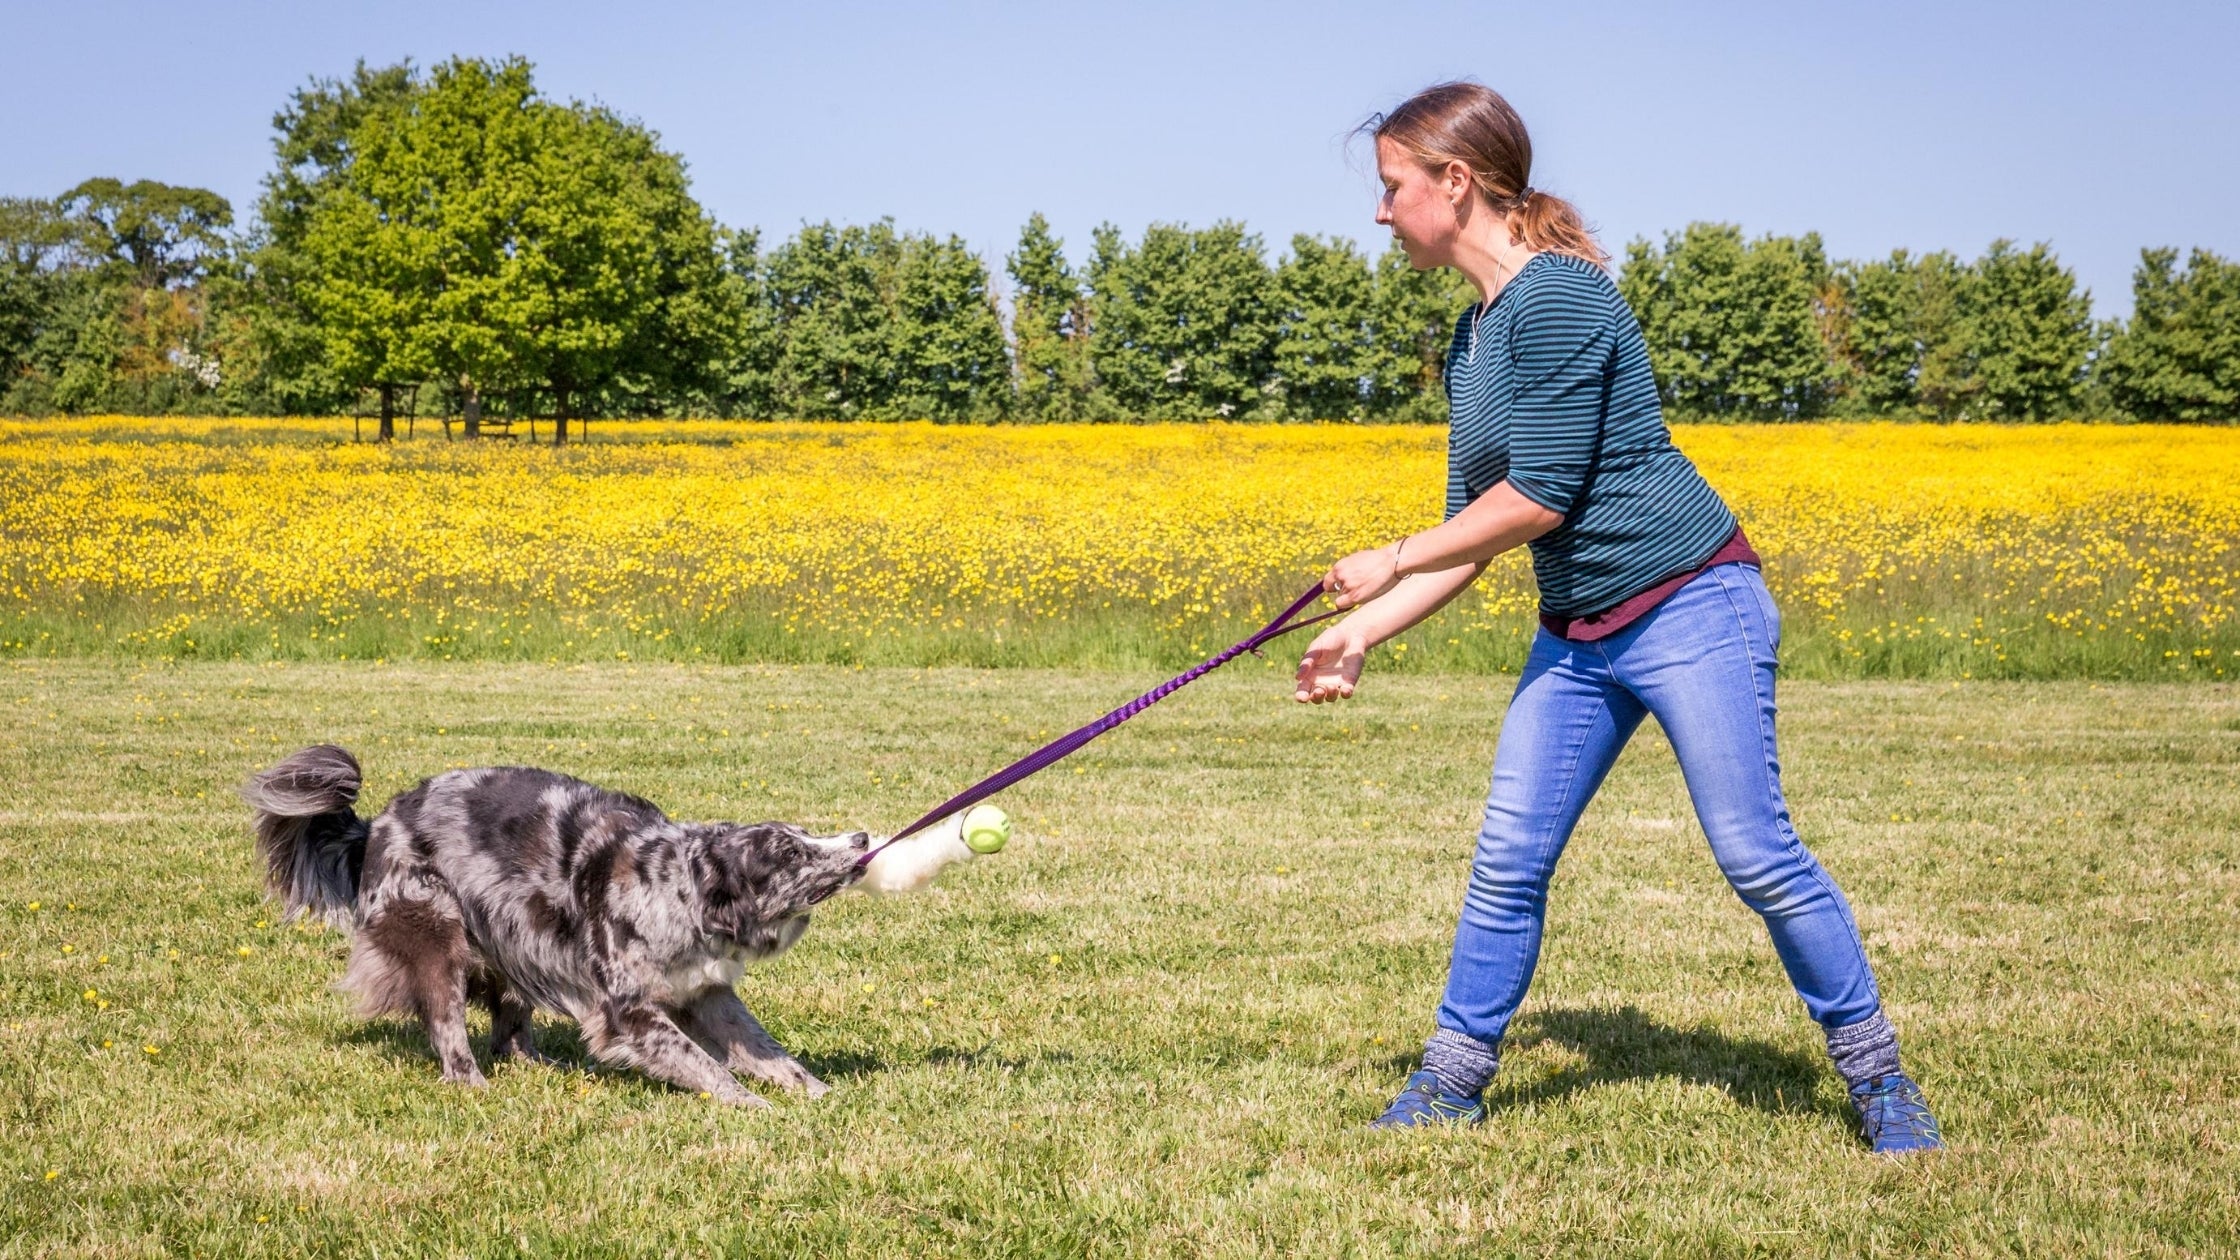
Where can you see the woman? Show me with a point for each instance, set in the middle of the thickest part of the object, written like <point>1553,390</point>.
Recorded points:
<point>1651,603</point>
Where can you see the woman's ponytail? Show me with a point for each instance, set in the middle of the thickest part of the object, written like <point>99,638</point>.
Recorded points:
<point>1548,223</point>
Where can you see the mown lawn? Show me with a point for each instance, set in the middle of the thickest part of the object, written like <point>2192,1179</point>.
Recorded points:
<point>1157,1024</point>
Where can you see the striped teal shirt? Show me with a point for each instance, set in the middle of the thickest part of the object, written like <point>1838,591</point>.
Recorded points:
<point>1550,389</point>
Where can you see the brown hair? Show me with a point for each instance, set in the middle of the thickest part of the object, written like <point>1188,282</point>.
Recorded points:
<point>1470,123</point>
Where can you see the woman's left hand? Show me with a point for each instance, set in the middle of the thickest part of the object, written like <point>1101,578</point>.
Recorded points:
<point>1363,576</point>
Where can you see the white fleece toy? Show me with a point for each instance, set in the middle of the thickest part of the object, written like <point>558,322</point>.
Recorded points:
<point>911,863</point>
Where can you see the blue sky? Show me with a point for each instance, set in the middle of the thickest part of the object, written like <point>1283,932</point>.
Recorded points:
<point>2100,129</point>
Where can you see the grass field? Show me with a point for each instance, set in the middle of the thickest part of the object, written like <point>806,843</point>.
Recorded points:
<point>1157,1024</point>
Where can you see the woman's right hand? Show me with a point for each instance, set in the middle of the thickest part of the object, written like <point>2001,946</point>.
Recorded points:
<point>1332,666</point>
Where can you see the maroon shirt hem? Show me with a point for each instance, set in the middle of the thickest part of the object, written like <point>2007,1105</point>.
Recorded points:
<point>1601,625</point>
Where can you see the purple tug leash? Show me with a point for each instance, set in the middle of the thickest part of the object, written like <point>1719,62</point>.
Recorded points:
<point>1066,745</point>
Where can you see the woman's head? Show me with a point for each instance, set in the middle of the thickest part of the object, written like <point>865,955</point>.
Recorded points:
<point>1454,151</point>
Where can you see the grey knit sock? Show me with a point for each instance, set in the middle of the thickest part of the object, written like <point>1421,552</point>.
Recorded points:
<point>1865,1050</point>
<point>1462,1063</point>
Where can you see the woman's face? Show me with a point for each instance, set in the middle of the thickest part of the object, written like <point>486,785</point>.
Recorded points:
<point>1419,206</point>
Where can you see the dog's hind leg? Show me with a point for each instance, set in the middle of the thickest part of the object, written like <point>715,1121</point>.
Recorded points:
<point>443,1008</point>
<point>719,1016</point>
<point>413,952</point>
<point>512,1033</point>
<point>641,1035</point>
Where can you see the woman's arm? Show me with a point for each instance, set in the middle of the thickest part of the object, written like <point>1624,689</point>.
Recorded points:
<point>1332,665</point>
<point>1408,603</point>
<point>1393,588</point>
<point>1499,520</point>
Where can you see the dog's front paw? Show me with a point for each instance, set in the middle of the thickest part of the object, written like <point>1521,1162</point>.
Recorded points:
<point>792,1075</point>
<point>738,1097</point>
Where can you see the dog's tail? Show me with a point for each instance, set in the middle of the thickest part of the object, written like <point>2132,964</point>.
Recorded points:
<point>312,842</point>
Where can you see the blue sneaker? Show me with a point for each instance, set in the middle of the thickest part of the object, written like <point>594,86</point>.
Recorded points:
<point>1895,1116</point>
<point>1423,1102</point>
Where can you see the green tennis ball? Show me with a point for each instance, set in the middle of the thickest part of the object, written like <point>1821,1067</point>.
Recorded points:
<point>986,829</point>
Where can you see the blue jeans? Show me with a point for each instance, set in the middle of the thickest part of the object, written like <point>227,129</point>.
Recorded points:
<point>1703,663</point>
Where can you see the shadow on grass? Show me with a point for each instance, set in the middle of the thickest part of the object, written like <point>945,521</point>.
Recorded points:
<point>849,1063</point>
<point>407,1042</point>
<point>561,1041</point>
<point>1625,1045</point>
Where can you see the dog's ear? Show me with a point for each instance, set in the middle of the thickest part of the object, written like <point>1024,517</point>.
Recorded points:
<point>727,894</point>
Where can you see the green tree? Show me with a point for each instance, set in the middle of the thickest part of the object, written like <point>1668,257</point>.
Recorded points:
<point>1049,329</point>
<point>743,382</point>
<point>1183,323</point>
<point>2030,334</point>
<point>878,324</point>
<point>1328,358</point>
<point>2179,356</point>
<point>1733,326</point>
<point>160,233</point>
<point>484,235</point>
<point>949,343</point>
<point>1414,316</point>
<point>362,234</point>
<point>261,304</point>
<point>102,303</point>
<point>1898,337</point>
<point>33,236</point>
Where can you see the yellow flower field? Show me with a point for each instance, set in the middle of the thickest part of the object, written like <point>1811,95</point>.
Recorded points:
<point>1895,548</point>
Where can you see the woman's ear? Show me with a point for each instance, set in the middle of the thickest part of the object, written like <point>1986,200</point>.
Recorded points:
<point>1457,182</point>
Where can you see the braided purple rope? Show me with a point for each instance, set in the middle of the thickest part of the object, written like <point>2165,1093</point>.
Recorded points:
<point>1066,745</point>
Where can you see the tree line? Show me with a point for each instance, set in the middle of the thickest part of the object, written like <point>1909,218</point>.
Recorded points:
<point>451,239</point>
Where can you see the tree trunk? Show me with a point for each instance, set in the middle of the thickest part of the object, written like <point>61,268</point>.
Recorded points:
<point>388,413</point>
<point>473,412</point>
<point>559,416</point>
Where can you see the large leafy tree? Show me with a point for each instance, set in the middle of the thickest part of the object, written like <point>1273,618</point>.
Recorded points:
<point>1732,325</point>
<point>2179,356</point>
<point>1183,322</point>
<point>486,236</point>
<point>360,232</point>
<point>263,304</point>
<point>948,334</point>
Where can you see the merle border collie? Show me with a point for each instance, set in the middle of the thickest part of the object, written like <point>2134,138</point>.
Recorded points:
<point>526,889</point>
